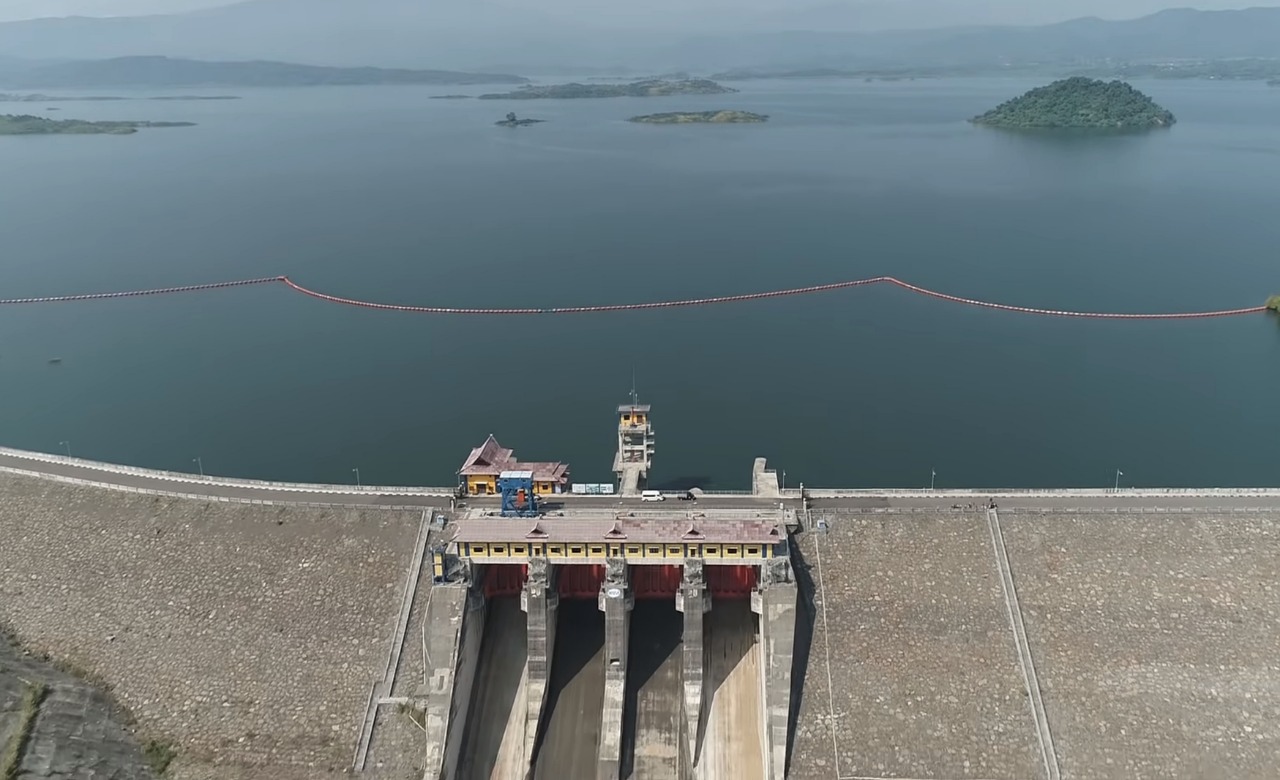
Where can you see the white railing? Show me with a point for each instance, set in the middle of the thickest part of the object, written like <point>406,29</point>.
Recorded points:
<point>252,484</point>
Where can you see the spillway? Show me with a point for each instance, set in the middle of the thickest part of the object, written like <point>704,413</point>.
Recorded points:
<point>570,735</point>
<point>654,742</point>
<point>493,740</point>
<point>732,748</point>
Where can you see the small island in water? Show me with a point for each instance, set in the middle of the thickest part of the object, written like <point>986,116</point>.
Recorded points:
<point>704,117</point>
<point>25,124</point>
<point>646,88</point>
<point>1079,103</point>
<point>512,121</point>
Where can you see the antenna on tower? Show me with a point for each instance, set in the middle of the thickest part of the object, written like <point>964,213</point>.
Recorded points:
<point>635,399</point>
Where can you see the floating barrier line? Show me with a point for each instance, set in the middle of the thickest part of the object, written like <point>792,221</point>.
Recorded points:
<point>817,288</point>
<point>140,293</point>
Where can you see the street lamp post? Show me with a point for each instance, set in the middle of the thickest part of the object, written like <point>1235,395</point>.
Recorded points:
<point>784,479</point>
<point>1119,474</point>
<point>357,473</point>
<point>199,464</point>
<point>933,478</point>
<point>66,444</point>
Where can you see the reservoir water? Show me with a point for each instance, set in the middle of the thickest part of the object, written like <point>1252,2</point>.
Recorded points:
<point>380,193</point>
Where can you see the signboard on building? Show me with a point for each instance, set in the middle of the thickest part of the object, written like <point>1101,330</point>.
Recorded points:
<point>587,489</point>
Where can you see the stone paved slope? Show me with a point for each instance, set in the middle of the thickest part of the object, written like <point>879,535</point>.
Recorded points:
<point>248,635</point>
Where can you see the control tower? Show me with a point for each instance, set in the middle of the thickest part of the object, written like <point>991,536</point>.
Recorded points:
<point>635,446</point>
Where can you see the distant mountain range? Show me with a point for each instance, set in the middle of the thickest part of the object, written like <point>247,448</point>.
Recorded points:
<point>478,34</point>
<point>154,71</point>
<point>1168,35</point>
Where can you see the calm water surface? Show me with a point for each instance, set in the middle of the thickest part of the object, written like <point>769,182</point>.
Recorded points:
<point>382,194</point>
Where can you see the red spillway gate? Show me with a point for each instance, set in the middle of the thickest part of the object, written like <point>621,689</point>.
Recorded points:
<point>504,579</point>
<point>579,582</point>
<point>662,582</point>
<point>647,582</point>
<point>655,582</point>
<point>730,582</point>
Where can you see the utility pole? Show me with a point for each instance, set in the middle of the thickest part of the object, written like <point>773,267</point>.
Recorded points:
<point>199,464</point>
<point>1119,474</point>
<point>357,473</point>
<point>66,444</point>
<point>933,478</point>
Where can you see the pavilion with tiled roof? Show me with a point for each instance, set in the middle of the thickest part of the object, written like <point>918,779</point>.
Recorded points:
<point>480,471</point>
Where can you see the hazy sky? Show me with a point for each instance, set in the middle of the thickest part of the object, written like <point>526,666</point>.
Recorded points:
<point>914,13</point>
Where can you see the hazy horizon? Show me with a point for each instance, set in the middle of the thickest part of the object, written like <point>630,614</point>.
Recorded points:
<point>697,15</point>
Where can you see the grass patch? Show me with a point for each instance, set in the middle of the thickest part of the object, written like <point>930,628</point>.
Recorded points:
<point>11,762</point>
<point>1273,303</point>
<point>159,755</point>
<point>416,716</point>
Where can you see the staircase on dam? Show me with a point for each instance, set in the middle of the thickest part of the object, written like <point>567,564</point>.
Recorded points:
<point>593,644</point>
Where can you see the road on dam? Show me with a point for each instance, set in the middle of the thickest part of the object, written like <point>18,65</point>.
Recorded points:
<point>220,488</point>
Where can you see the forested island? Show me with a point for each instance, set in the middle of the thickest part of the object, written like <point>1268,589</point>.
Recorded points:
<point>25,124</point>
<point>706,117</point>
<point>513,121</point>
<point>645,88</point>
<point>1079,103</point>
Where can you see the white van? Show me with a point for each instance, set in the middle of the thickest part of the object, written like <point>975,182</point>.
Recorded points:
<point>652,495</point>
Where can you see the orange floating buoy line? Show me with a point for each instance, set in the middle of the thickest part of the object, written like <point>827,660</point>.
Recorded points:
<point>1272,304</point>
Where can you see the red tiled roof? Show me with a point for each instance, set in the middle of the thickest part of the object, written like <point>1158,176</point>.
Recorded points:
<point>542,472</point>
<point>491,459</point>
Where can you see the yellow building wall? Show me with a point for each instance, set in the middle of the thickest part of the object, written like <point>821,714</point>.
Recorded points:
<point>475,481</point>
<point>631,419</point>
<point>544,488</point>
<point>630,550</point>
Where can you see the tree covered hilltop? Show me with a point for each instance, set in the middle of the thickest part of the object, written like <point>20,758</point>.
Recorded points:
<point>708,117</point>
<point>25,124</point>
<point>646,88</point>
<point>1079,103</point>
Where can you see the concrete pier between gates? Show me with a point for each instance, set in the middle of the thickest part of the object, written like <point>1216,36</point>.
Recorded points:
<point>775,603</point>
<point>694,601</point>
<point>540,601</point>
<point>616,601</point>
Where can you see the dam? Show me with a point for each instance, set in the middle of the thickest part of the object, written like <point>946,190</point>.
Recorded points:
<point>519,625</point>
<point>609,641</point>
